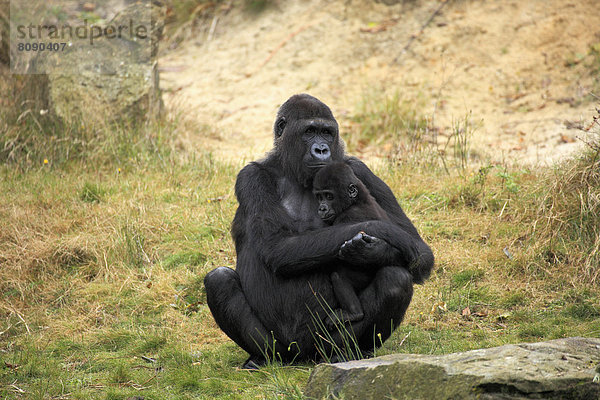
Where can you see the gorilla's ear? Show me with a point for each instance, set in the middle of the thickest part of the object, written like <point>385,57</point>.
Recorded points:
<point>352,190</point>
<point>280,126</point>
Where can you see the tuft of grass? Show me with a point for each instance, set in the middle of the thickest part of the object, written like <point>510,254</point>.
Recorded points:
<point>515,299</point>
<point>120,374</point>
<point>566,214</point>
<point>387,121</point>
<point>329,349</point>
<point>583,311</point>
<point>133,244</point>
<point>257,6</point>
<point>460,140</point>
<point>30,139</point>
<point>466,277</point>
<point>196,18</point>
<point>186,258</point>
<point>91,193</point>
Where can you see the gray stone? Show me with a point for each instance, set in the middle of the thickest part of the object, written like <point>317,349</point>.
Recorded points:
<point>556,369</point>
<point>107,80</point>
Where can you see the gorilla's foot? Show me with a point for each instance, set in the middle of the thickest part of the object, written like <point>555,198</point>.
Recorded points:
<point>253,363</point>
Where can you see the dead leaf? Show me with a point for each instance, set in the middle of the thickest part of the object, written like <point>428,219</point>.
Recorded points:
<point>379,27</point>
<point>566,139</point>
<point>439,308</point>
<point>12,366</point>
<point>89,7</point>
<point>503,317</point>
<point>466,312</point>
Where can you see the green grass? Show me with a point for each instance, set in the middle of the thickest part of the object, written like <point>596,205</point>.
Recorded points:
<point>389,121</point>
<point>103,283</point>
<point>91,283</point>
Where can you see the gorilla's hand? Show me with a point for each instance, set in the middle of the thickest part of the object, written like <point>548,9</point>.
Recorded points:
<point>365,249</point>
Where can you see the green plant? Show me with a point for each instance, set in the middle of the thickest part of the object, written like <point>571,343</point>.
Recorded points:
<point>336,346</point>
<point>466,277</point>
<point>508,180</point>
<point>383,118</point>
<point>91,193</point>
<point>460,137</point>
<point>133,243</point>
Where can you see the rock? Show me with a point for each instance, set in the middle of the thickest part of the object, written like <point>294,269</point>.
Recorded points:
<point>110,78</point>
<point>557,369</point>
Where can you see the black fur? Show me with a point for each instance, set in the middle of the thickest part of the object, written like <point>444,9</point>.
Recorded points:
<point>285,252</point>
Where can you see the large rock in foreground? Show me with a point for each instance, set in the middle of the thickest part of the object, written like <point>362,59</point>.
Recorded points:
<point>557,369</point>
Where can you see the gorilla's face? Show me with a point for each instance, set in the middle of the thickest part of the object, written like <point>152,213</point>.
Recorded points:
<point>306,137</point>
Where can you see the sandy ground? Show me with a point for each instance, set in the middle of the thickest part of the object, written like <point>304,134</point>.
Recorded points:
<point>522,69</point>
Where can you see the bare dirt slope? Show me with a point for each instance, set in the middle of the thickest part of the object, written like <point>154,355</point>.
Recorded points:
<point>524,68</point>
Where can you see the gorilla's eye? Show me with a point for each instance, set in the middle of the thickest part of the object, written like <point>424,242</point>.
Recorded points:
<point>329,196</point>
<point>311,130</point>
<point>280,126</point>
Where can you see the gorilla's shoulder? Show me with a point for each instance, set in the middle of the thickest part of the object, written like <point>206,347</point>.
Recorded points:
<point>255,169</point>
<point>254,176</point>
<point>359,167</point>
<point>352,160</point>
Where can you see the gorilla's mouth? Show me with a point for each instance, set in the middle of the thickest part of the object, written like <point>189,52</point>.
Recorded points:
<point>327,218</point>
<point>318,165</point>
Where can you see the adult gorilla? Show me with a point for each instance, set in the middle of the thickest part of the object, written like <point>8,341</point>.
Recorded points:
<point>286,253</point>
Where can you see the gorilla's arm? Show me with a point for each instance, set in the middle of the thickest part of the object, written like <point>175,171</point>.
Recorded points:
<point>412,251</point>
<point>264,227</point>
<point>301,253</point>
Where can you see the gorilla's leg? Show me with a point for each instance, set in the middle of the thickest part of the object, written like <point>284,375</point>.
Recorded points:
<point>384,302</point>
<point>350,307</point>
<point>234,316</point>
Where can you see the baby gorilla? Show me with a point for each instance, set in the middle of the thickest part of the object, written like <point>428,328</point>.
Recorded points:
<point>343,198</point>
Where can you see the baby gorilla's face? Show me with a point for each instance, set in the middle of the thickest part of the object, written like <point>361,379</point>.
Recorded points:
<point>335,188</point>
<point>328,205</point>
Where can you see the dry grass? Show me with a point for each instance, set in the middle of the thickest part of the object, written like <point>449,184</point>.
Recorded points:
<point>568,214</point>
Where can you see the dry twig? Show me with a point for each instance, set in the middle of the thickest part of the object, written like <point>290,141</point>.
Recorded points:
<point>416,35</point>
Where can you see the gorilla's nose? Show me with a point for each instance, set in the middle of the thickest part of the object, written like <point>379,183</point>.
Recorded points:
<point>322,208</point>
<point>320,151</point>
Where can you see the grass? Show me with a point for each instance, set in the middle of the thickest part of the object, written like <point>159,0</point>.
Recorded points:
<point>187,19</point>
<point>387,121</point>
<point>103,251</point>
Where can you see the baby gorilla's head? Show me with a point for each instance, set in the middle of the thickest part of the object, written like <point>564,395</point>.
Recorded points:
<point>336,188</point>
